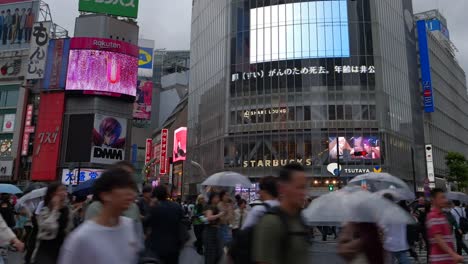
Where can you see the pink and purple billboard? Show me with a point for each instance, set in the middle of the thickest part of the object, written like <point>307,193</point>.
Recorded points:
<point>102,67</point>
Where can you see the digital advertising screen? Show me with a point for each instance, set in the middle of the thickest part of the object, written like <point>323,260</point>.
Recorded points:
<point>143,100</point>
<point>180,144</point>
<point>102,67</point>
<point>355,148</point>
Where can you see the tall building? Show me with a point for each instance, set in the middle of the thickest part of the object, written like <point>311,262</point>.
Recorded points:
<point>330,84</point>
<point>446,126</point>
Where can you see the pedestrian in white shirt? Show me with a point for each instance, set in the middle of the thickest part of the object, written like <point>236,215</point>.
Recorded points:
<point>457,213</point>
<point>109,237</point>
<point>269,196</point>
<point>240,214</point>
<point>396,240</point>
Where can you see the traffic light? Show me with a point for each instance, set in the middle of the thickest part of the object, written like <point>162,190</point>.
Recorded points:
<point>331,187</point>
<point>360,153</point>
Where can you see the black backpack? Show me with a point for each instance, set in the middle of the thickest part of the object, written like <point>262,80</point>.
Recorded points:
<point>240,250</point>
<point>463,222</point>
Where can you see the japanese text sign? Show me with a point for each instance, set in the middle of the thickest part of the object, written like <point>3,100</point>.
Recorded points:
<point>163,159</point>
<point>38,51</point>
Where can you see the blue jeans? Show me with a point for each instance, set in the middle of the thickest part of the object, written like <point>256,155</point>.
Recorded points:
<point>401,257</point>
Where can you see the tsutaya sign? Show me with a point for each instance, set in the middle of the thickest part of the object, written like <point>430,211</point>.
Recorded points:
<point>275,163</point>
<point>314,70</point>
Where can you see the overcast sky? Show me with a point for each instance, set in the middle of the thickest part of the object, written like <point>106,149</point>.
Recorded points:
<point>168,21</point>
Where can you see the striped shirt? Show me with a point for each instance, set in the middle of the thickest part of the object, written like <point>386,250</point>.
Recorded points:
<point>437,224</point>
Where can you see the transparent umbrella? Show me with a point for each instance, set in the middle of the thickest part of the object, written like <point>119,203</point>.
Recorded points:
<point>462,197</point>
<point>381,181</point>
<point>398,194</point>
<point>228,179</point>
<point>354,205</point>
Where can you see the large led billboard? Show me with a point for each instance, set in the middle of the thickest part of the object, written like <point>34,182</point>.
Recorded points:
<point>102,67</point>
<point>314,29</point>
<point>355,148</point>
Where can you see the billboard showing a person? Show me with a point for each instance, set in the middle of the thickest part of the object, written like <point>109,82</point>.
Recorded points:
<point>180,144</point>
<point>16,27</point>
<point>109,135</point>
<point>143,100</point>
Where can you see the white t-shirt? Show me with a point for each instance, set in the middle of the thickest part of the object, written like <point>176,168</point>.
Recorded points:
<point>257,212</point>
<point>458,212</point>
<point>97,244</point>
<point>395,238</point>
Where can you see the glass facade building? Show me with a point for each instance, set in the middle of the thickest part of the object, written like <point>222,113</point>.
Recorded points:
<point>316,82</point>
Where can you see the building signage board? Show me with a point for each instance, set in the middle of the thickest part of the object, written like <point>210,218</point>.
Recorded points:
<point>9,123</point>
<point>143,100</point>
<point>27,130</point>
<point>163,159</point>
<point>180,144</point>
<point>85,175</point>
<point>430,164</point>
<point>11,68</point>
<point>19,17</point>
<point>109,137</point>
<point>148,151</point>
<point>6,168</point>
<point>57,63</point>
<point>425,67</point>
<point>156,153</point>
<point>124,8</point>
<point>46,153</point>
<point>38,51</point>
<point>145,58</point>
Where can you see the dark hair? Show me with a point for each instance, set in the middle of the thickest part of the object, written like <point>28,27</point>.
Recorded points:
<point>222,194</point>
<point>124,164</point>
<point>389,197</point>
<point>287,171</point>
<point>160,192</point>
<point>51,190</point>
<point>211,196</point>
<point>237,197</point>
<point>269,184</point>
<point>241,201</point>
<point>372,244</point>
<point>110,126</point>
<point>147,189</point>
<point>435,192</point>
<point>115,178</point>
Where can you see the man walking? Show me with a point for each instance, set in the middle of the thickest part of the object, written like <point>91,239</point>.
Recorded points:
<point>457,213</point>
<point>109,237</point>
<point>439,232</point>
<point>281,237</point>
<point>145,201</point>
<point>268,195</point>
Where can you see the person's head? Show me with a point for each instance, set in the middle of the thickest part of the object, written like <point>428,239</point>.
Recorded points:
<point>147,192</point>
<point>292,185</point>
<point>224,197</point>
<point>439,200</point>
<point>29,10</point>
<point>126,165</point>
<point>361,238</point>
<point>115,189</point>
<point>110,130</point>
<point>160,193</point>
<point>456,203</point>
<point>268,188</point>
<point>8,11</point>
<point>16,10</point>
<point>200,199</point>
<point>242,204</point>
<point>238,198</point>
<point>3,12</point>
<point>53,190</point>
<point>213,198</point>
<point>421,200</point>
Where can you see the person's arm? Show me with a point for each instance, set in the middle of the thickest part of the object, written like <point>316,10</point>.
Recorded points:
<point>443,245</point>
<point>211,217</point>
<point>7,235</point>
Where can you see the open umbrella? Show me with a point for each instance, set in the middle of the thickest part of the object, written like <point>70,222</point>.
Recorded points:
<point>9,188</point>
<point>459,196</point>
<point>84,188</point>
<point>228,179</point>
<point>398,194</point>
<point>354,205</point>
<point>31,199</point>
<point>379,181</point>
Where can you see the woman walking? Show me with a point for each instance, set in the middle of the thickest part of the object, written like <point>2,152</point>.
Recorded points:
<point>211,235</point>
<point>198,223</point>
<point>55,221</point>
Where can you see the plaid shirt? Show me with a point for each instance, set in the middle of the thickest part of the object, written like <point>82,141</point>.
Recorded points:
<point>437,224</point>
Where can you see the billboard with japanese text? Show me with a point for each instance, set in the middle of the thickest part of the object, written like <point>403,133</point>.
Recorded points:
<point>48,134</point>
<point>85,174</point>
<point>38,51</point>
<point>18,18</point>
<point>109,138</point>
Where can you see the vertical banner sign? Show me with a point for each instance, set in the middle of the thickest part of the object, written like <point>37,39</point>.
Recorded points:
<point>149,145</point>
<point>28,129</point>
<point>38,51</point>
<point>9,123</point>
<point>425,68</point>
<point>143,100</point>
<point>46,152</point>
<point>57,63</point>
<point>180,144</point>
<point>430,166</point>
<point>163,159</point>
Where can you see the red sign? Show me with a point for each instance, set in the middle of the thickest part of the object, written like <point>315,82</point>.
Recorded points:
<point>27,130</point>
<point>163,159</point>
<point>180,144</point>
<point>48,135</point>
<point>105,44</point>
<point>149,143</point>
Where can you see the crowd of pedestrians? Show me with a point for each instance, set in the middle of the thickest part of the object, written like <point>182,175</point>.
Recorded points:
<point>117,226</point>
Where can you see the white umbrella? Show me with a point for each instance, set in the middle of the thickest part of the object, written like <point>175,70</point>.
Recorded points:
<point>31,199</point>
<point>398,194</point>
<point>462,197</point>
<point>228,179</point>
<point>354,205</point>
<point>379,181</point>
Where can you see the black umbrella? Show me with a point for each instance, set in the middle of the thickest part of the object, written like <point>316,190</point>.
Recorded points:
<point>84,188</point>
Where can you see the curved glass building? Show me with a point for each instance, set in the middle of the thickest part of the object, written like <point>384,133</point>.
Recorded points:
<point>331,84</point>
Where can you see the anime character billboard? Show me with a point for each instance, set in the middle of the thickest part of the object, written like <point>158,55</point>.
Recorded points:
<point>109,136</point>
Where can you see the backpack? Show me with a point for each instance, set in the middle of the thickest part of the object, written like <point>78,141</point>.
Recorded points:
<point>240,250</point>
<point>463,222</point>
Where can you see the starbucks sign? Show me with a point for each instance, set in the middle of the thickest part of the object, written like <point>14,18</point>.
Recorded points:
<point>124,8</point>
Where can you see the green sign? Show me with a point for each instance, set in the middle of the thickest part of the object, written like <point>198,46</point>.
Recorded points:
<point>124,8</point>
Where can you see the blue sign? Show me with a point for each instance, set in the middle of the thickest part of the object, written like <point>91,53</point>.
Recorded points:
<point>57,63</point>
<point>145,60</point>
<point>436,25</point>
<point>425,66</point>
